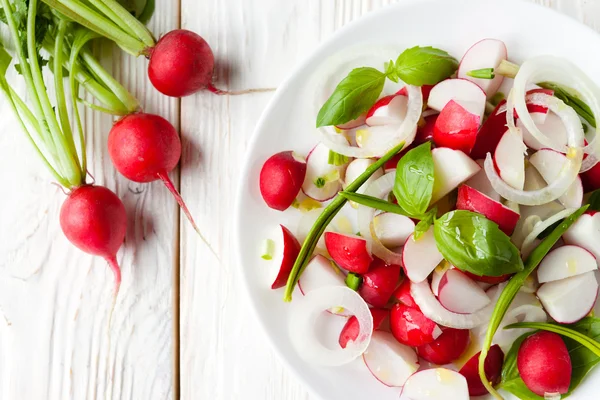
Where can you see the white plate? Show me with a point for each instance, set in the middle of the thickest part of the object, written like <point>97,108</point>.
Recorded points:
<point>289,120</point>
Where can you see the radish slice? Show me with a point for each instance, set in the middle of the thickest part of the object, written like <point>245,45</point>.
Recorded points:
<point>565,262</point>
<point>432,309</point>
<point>554,69</point>
<point>472,200</point>
<point>287,248</point>
<point>393,229</point>
<point>436,384</point>
<point>550,124</point>
<point>487,53</point>
<point>510,159</point>
<point>355,123</point>
<point>356,168</point>
<point>350,252</point>
<point>585,233</point>
<point>390,362</point>
<point>388,110</point>
<point>320,272</point>
<point>549,164</point>
<point>322,180</point>
<point>380,188</point>
<point>481,183</point>
<point>386,136</point>
<point>450,169</point>
<point>460,294</point>
<point>437,275</point>
<point>569,300</point>
<point>307,309</point>
<point>464,92</point>
<point>529,242</point>
<point>420,257</point>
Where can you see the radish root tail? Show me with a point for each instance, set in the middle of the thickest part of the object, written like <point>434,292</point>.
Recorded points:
<point>114,266</point>
<point>214,90</point>
<point>169,184</point>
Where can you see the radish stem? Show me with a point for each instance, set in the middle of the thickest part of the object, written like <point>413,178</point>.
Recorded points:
<point>131,23</point>
<point>214,90</point>
<point>507,69</point>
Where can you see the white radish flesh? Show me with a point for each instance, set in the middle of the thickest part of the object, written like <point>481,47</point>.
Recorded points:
<point>436,384</point>
<point>565,262</point>
<point>390,362</point>
<point>550,124</point>
<point>460,294</point>
<point>356,168</point>
<point>487,53</point>
<point>464,92</point>
<point>509,158</point>
<point>322,179</point>
<point>320,272</point>
<point>393,229</point>
<point>391,113</point>
<point>420,257</point>
<point>481,183</point>
<point>569,300</point>
<point>450,169</point>
<point>585,233</point>
<point>549,164</point>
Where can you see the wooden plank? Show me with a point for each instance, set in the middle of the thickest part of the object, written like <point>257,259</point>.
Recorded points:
<point>224,354</point>
<point>54,300</point>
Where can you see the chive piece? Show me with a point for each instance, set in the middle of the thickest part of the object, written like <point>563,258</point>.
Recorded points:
<point>483,73</point>
<point>325,218</point>
<point>353,281</point>
<point>320,182</point>
<point>268,249</point>
<point>507,69</point>
<point>337,159</point>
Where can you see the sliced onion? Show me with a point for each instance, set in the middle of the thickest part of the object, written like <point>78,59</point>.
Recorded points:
<point>541,196</point>
<point>561,71</point>
<point>433,309</point>
<point>406,131</point>
<point>379,188</point>
<point>540,227</point>
<point>303,317</point>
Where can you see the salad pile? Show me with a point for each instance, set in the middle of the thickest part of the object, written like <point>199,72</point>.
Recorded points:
<point>469,261</point>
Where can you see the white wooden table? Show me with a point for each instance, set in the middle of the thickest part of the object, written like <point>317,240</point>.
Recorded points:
<point>181,328</point>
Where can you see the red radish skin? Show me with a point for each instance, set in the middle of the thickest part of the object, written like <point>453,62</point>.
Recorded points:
<point>144,148</point>
<point>351,330</point>
<point>384,101</point>
<point>93,218</point>
<point>492,280</point>
<point>591,178</point>
<point>402,295</point>
<point>181,64</point>
<point>448,347</point>
<point>379,283</point>
<point>492,367</point>
<point>456,128</point>
<point>349,252</point>
<point>473,200</point>
<point>425,132</point>
<point>544,364</point>
<point>281,179</point>
<point>410,327</point>
<point>490,133</point>
<point>291,249</point>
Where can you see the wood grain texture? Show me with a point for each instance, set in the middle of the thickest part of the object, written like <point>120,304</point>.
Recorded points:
<point>224,354</point>
<point>55,300</point>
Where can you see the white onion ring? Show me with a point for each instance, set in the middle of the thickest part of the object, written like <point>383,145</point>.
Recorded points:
<point>432,309</point>
<point>526,247</point>
<point>379,188</point>
<point>561,71</point>
<point>306,310</point>
<point>406,131</point>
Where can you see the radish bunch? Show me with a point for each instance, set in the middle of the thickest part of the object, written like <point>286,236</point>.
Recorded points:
<point>440,232</point>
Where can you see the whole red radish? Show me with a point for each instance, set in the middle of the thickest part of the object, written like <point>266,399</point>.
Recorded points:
<point>93,218</point>
<point>181,63</point>
<point>412,328</point>
<point>144,148</point>
<point>447,347</point>
<point>281,179</point>
<point>379,283</point>
<point>351,330</point>
<point>492,367</point>
<point>544,363</point>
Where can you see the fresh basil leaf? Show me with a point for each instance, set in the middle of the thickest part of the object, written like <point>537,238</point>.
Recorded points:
<point>424,66</point>
<point>425,223</point>
<point>582,360</point>
<point>473,243</point>
<point>413,186</point>
<point>594,201</point>
<point>354,95</point>
<point>571,98</point>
